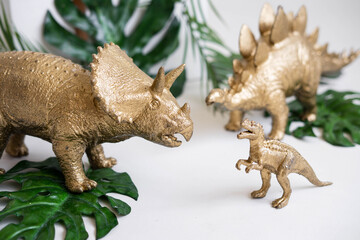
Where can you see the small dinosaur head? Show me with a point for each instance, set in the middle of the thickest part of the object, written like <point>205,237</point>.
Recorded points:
<point>254,130</point>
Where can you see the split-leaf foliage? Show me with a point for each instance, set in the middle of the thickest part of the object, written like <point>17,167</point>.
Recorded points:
<point>338,117</point>
<point>43,201</point>
<point>105,22</point>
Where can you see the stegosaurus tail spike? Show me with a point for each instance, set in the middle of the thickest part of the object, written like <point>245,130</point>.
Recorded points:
<point>321,49</point>
<point>313,37</point>
<point>332,62</point>
<point>299,23</point>
<point>266,21</point>
<point>280,29</point>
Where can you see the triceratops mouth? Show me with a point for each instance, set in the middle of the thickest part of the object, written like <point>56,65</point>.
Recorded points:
<point>172,141</point>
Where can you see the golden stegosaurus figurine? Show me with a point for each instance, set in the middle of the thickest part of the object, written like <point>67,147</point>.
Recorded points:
<point>283,62</point>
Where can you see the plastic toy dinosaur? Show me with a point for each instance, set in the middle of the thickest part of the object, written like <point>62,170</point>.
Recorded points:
<point>282,63</point>
<point>52,98</point>
<point>273,156</point>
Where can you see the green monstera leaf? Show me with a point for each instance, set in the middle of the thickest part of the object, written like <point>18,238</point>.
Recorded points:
<point>338,116</point>
<point>43,201</point>
<point>104,22</point>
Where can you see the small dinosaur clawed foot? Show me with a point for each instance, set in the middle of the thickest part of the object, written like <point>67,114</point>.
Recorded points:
<point>280,202</point>
<point>258,194</point>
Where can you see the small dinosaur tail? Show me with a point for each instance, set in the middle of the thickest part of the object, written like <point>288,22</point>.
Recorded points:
<point>333,62</point>
<point>309,173</point>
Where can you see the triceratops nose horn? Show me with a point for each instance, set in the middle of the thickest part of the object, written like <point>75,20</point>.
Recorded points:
<point>159,82</point>
<point>185,109</point>
<point>172,75</point>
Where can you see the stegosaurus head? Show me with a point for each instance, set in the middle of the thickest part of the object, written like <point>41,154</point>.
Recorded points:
<point>254,130</point>
<point>273,30</point>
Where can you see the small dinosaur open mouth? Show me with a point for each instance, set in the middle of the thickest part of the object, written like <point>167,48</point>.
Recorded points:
<point>249,126</point>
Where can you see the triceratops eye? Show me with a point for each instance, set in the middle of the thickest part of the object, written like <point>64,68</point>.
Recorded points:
<point>154,104</point>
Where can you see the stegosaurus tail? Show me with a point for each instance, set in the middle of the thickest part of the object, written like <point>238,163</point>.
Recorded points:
<point>333,62</point>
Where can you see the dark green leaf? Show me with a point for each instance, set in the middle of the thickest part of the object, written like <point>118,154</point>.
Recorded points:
<point>43,201</point>
<point>338,116</point>
<point>58,36</point>
<point>105,22</point>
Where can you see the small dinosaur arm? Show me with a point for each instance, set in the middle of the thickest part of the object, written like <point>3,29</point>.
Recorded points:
<point>273,156</point>
<point>283,62</point>
<point>52,98</point>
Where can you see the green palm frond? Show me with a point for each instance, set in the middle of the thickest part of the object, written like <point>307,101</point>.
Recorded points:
<point>10,38</point>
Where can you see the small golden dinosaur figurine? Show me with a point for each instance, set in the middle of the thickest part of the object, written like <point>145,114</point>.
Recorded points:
<point>283,62</point>
<point>273,156</point>
<point>76,110</point>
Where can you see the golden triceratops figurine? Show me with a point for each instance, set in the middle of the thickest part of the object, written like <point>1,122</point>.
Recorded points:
<point>76,110</point>
<point>283,62</point>
<point>273,156</point>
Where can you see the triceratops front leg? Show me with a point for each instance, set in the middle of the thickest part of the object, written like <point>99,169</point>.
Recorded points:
<point>69,154</point>
<point>97,157</point>
<point>235,120</point>
<point>279,112</point>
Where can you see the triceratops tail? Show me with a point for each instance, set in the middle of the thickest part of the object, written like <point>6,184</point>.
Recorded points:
<point>333,62</point>
<point>309,173</point>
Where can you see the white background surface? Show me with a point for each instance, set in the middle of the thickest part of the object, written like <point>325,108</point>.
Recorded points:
<point>194,191</point>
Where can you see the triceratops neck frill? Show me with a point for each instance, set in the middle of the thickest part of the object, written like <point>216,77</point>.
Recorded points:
<point>118,84</point>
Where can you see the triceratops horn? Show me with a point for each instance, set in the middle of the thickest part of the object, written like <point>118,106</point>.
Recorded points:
<point>172,75</point>
<point>185,109</point>
<point>159,82</point>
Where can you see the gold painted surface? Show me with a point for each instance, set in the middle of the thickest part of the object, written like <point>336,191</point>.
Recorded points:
<point>283,62</point>
<point>76,110</point>
<point>273,156</point>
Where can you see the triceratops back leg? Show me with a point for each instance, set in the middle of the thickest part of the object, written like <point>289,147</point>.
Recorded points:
<point>97,157</point>
<point>16,146</point>
<point>235,120</point>
<point>70,155</point>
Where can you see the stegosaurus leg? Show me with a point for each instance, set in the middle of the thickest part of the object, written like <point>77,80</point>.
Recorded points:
<point>279,112</point>
<point>265,177</point>
<point>285,185</point>
<point>235,120</point>
<point>307,93</point>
